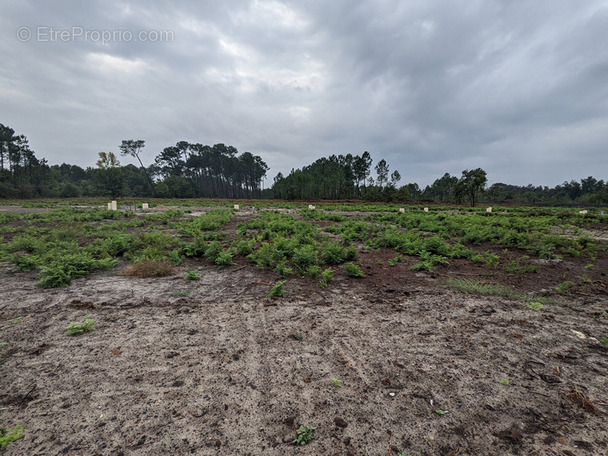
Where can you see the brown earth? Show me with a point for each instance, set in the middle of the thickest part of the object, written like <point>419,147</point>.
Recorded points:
<point>215,367</point>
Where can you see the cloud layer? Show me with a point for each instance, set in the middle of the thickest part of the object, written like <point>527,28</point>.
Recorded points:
<point>517,88</point>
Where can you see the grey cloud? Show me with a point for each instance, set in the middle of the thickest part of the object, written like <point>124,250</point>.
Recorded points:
<point>515,87</point>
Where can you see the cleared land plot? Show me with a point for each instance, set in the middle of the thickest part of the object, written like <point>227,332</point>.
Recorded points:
<point>398,361</point>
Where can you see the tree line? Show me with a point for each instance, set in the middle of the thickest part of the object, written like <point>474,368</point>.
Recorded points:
<point>194,170</point>
<point>185,170</point>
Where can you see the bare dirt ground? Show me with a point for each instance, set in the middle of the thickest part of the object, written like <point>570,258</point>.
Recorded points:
<point>215,367</point>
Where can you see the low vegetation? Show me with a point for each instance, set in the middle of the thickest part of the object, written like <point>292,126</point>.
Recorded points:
<point>76,328</point>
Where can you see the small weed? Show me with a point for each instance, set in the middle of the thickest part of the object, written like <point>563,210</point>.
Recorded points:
<point>297,336</point>
<point>192,275</point>
<point>17,320</point>
<point>353,270</point>
<point>395,260</point>
<point>504,382</point>
<point>589,266</point>
<point>326,277</point>
<point>441,412</point>
<point>604,341</point>
<point>277,289</point>
<point>305,435</point>
<point>585,278</point>
<point>337,383</point>
<point>8,436</point>
<point>181,293</point>
<point>535,305</point>
<point>87,324</point>
<point>564,287</point>
<point>4,344</point>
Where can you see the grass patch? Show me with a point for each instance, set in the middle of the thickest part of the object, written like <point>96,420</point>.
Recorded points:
<point>535,305</point>
<point>480,288</point>
<point>8,436</point>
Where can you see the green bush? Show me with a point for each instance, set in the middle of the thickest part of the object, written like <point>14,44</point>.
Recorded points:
<point>224,258</point>
<point>213,251</point>
<point>61,271</point>
<point>267,256</point>
<point>333,253</point>
<point>304,257</point>
<point>245,247</point>
<point>314,271</point>
<point>353,270</point>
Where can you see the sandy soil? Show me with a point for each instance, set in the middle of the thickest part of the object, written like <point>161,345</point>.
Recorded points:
<point>224,370</point>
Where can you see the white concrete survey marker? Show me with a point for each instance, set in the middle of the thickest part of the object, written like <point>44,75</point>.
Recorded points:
<point>583,212</point>
<point>426,209</point>
<point>489,209</point>
<point>237,207</point>
<point>402,210</point>
<point>109,206</point>
<point>144,206</point>
<point>114,207</point>
<point>311,207</point>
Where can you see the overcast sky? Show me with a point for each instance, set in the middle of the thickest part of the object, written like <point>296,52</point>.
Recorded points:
<point>519,88</point>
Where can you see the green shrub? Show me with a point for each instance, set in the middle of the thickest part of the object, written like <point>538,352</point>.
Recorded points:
<point>72,266</point>
<point>195,248</point>
<point>304,257</point>
<point>353,270</point>
<point>245,247</point>
<point>473,237</point>
<point>333,253</point>
<point>213,251</point>
<point>224,259</point>
<point>267,256</point>
<point>314,271</point>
